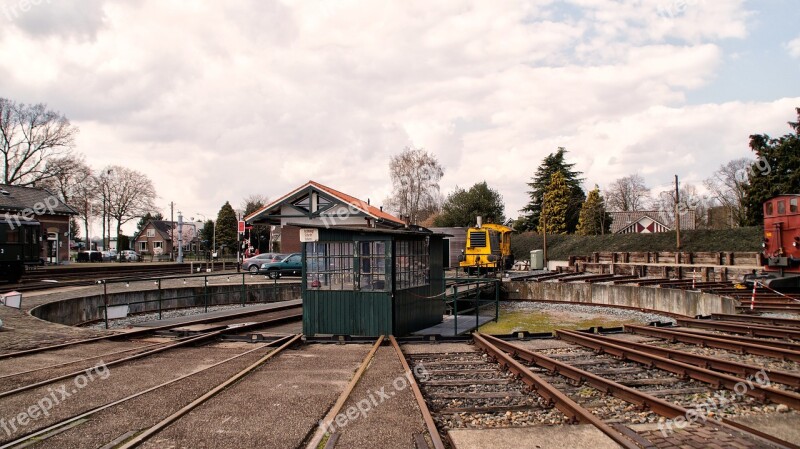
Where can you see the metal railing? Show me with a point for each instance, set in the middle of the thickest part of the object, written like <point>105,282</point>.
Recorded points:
<point>206,298</point>
<point>458,290</point>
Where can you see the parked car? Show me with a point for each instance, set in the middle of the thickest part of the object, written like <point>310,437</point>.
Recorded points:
<point>252,264</point>
<point>110,255</point>
<point>289,265</point>
<point>89,256</point>
<point>129,255</point>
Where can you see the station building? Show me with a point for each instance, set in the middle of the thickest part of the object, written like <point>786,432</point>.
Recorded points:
<point>17,202</point>
<point>365,272</point>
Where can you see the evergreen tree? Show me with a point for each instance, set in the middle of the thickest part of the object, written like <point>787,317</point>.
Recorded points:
<point>551,164</point>
<point>555,205</point>
<point>594,220</point>
<point>146,218</point>
<point>226,229</point>
<point>463,206</point>
<point>776,172</point>
<point>207,234</point>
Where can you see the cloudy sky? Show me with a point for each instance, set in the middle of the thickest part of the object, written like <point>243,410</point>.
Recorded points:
<point>219,100</point>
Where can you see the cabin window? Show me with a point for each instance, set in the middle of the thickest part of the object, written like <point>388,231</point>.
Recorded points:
<point>412,266</point>
<point>329,266</point>
<point>372,266</point>
<point>781,207</point>
<point>793,205</point>
<point>768,209</point>
<point>12,236</point>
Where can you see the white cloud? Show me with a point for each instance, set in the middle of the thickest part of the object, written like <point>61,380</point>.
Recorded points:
<point>215,102</point>
<point>794,47</point>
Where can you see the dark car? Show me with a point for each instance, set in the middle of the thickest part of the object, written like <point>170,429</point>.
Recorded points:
<point>89,256</point>
<point>291,264</point>
<point>252,264</point>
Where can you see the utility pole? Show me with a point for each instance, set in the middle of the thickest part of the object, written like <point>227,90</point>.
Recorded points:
<point>172,223</point>
<point>677,214</point>
<point>180,237</point>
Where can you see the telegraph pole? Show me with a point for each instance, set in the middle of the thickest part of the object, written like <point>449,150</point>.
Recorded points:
<point>677,214</point>
<point>180,237</point>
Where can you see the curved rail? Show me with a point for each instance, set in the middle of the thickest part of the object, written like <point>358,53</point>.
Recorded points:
<point>561,401</point>
<point>628,394</point>
<point>423,407</point>
<point>142,437</point>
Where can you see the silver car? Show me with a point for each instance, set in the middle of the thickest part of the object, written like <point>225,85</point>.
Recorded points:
<point>252,264</point>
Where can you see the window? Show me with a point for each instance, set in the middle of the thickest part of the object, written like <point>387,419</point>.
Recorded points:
<point>151,232</point>
<point>768,208</point>
<point>12,236</point>
<point>793,205</point>
<point>158,245</point>
<point>781,207</point>
<point>412,266</point>
<point>372,264</point>
<point>329,266</point>
<point>143,246</point>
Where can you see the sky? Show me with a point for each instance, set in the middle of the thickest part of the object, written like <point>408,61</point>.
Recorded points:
<point>216,101</point>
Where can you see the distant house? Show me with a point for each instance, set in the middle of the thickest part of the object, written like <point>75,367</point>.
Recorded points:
<point>650,222</point>
<point>160,237</point>
<point>54,217</point>
<point>317,204</point>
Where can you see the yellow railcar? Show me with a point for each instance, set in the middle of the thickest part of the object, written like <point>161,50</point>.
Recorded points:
<point>488,249</point>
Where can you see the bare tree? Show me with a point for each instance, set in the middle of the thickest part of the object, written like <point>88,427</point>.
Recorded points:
<point>627,194</point>
<point>29,136</point>
<point>68,174</point>
<point>728,185</point>
<point>85,200</point>
<point>253,202</point>
<point>690,199</point>
<point>415,178</point>
<point>130,194</point>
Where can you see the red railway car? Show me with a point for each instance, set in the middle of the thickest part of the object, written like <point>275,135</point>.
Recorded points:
<point>781,255</point>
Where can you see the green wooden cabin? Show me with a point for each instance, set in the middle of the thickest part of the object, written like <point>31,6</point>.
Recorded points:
<point>370,281</point>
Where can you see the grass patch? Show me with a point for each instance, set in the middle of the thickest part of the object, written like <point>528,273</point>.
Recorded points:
<point>535,321</point>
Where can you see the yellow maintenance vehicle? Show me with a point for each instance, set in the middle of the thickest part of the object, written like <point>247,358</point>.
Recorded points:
<point>488,249</point>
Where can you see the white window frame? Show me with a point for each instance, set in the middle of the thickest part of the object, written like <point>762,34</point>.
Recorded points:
<point>151,232</point>
<point>142,245</point>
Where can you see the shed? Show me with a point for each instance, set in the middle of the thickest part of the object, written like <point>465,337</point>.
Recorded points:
<point>371,281</point>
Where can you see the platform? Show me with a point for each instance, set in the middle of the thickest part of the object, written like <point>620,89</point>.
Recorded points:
<point>447,328</point>
<point>221,313</point>
<point>550,437</point>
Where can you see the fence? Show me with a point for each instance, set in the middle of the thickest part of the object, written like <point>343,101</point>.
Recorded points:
<point>224,289</point>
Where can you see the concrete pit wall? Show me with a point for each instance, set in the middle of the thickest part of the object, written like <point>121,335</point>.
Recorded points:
<point>674,301</point>
<point>75,311</point>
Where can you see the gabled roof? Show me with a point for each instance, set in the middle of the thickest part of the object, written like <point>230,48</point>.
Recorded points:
<point>356,203</point>
<point>621,220</point>
<point>163,227</point>
<point>18,198</point>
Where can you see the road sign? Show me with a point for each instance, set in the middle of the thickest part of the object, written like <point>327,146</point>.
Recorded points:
<point>241,227</point>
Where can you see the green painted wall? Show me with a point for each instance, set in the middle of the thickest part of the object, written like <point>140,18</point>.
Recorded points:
<point>375,313</point>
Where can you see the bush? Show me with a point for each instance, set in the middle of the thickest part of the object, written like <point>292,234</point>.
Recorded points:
<point>560,247</point>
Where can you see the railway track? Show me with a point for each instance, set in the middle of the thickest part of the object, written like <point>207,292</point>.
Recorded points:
<point>294,312</point>
<point>632,392</point>
<point>80,276</point>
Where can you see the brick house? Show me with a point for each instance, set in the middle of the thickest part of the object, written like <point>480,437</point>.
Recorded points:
<point>160,238</point>
<point>44,207</point>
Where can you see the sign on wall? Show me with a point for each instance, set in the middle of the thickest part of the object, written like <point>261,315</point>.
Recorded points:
<point>309,235</point>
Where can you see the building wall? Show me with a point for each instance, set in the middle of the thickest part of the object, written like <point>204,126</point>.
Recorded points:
<point>395,312</point>
<point>54,251</point>
<point>458,242</point>
<point>166,244</point>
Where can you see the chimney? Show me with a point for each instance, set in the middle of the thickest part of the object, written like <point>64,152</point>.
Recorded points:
<point>367,201</point>
<point>480,221</point>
